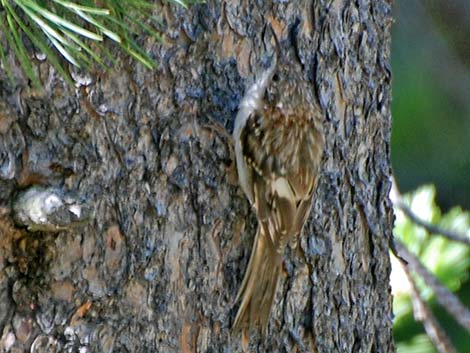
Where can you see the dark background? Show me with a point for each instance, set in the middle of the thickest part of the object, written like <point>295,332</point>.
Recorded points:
<point>431,119</point>
<point>431,98</point>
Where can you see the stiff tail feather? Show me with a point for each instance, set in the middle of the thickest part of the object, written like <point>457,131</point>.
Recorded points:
<point>259,285</point>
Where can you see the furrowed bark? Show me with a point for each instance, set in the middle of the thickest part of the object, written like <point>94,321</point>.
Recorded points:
<point>157,267</point>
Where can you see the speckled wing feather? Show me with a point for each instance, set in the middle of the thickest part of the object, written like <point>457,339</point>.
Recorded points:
<point>281,156</point>
<point>284,178</point>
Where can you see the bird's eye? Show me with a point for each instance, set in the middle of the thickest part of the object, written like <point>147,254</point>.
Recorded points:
<point>276,78</point>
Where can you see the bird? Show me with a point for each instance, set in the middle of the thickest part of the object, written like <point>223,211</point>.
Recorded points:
<point>279,142</point>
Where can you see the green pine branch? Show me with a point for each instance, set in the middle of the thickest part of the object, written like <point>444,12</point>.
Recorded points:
<point>75,31</point>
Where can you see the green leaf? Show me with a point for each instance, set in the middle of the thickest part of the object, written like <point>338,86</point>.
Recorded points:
<point>36,38</point>
<point>179,2</point>
<point>4,60</point>
<point>91,10</point>
<point>19,49</point>
<point>110,34</point>
<point>57,28</point>
<point>146,28</point>
<point>57,20</point>
<point>448,260</point>
<point>85,47</point>
<point>418,344</point>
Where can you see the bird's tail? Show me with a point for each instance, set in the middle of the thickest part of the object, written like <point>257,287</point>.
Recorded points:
<point>259,285</point>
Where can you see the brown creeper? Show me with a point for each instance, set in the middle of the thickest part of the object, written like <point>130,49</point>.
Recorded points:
<point>278,146</point>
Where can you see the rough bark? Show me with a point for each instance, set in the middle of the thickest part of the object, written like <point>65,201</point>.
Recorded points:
<point>158,266</point>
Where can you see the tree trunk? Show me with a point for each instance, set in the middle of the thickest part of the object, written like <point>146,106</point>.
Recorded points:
<point>158,265</point>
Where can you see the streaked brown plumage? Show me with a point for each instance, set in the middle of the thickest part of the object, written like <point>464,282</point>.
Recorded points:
<point>278,145</point>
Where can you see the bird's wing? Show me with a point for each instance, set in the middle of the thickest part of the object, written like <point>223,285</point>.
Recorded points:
<point>278,153</point>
